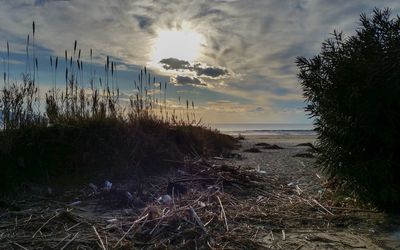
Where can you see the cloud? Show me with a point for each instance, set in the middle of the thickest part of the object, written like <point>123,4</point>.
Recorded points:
<point>175,64</point>
<point>213,72</point>
<point>184,80</point>
<point>144,22</point>
<point>248,54</point>
<point>42,2</point>
<point>200,69</point>
<point>190,92</point>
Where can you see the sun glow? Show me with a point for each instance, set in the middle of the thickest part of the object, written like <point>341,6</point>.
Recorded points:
<point>184,44</point>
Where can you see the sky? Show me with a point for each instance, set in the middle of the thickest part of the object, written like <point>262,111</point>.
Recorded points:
<point>234,58</point>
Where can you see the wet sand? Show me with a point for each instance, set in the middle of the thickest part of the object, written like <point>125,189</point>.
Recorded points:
<point>350,227</point>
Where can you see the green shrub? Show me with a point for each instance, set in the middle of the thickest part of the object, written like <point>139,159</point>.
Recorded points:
<point>352,88</point>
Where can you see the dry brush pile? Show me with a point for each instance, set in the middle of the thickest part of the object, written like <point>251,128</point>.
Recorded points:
<point>211,206</point>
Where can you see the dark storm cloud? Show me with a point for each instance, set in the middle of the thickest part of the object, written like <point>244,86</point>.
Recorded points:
<point>175,64</point>
<point>184,80</point>
<point>201,70</point>
<point>213,72</point>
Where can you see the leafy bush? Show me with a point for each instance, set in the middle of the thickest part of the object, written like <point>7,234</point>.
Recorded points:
<point>352,88</point>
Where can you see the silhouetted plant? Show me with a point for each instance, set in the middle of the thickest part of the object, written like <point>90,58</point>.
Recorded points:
<point>82,130</point>
<point>20,102</point>
<point>352,88</point>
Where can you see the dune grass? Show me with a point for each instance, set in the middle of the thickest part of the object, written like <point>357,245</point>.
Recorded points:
<point>72,131</point>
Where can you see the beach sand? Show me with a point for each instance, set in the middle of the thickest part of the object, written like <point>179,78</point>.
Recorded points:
<point>346,229</point>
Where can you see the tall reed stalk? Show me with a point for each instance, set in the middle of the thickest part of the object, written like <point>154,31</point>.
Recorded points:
<point>20,100</point>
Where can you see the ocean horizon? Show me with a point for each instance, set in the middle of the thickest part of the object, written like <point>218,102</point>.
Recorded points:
<point>265,128</point>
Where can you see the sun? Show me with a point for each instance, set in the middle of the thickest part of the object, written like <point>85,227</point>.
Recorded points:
<point>184,44</point>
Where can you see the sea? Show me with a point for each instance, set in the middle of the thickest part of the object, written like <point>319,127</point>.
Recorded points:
<point>264,128</point>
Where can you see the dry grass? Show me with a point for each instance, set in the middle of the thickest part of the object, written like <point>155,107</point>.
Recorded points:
<point>84,129</point>
<point>21,102</point>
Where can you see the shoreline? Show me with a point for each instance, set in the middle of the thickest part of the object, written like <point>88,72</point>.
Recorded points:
<point>285,138</point>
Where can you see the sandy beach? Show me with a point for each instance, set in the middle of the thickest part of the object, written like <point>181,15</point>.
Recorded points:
<point>352,228</point>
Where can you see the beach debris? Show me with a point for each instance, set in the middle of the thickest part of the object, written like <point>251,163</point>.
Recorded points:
<point>181,172</point>
<point>127,232</point>
<point>107,186</point>
<point>93,187</point>
<point>223,214</point>
<point>176,189</point>
<point>325,209</point>
<point>70,241</point>
<point>201,204</point>
<point>133,200</point>
<point>75,203</point>
<point>130,197</point>
<point>201,161</point>
<point>98,236</point>
<point>197,219</point>
<point>202,216</point>
<point>302,164</point>
<point>44,224</point>
<point>298,190</point>
<point>113,220</point>
<point>258,169</point>
<point>213,188</point>
<point>321,192</point>
<point>165,199</point>
<point>218,158</point>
